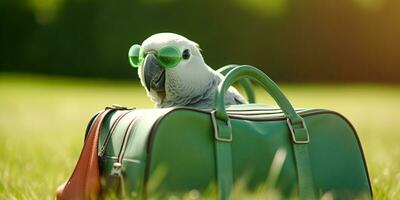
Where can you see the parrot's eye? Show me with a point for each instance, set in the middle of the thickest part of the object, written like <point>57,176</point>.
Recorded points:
<point>186,54</point>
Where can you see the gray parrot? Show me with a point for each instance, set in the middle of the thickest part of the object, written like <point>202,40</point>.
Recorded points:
<point>177,77</point>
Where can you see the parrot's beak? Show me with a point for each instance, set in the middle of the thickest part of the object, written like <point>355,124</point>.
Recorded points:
<point>154,74</point>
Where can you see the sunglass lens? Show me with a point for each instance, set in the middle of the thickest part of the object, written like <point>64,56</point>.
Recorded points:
<point>134,55</point>
<point>169,57</point>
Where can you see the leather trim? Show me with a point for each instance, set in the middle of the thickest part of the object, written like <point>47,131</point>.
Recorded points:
<point>84,183</point>
<point>90,124</point>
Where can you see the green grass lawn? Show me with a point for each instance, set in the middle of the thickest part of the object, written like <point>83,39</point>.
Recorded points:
<point>42,123</point>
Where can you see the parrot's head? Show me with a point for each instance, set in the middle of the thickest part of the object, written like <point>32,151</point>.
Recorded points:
<point>170,67</point>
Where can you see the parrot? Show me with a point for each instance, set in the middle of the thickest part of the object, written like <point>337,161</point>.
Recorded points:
<point>173,72</point>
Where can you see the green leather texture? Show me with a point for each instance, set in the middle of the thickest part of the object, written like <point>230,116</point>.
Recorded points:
<point>179,149</point>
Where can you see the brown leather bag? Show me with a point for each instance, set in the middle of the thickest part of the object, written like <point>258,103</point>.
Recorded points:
<point>84,182</point>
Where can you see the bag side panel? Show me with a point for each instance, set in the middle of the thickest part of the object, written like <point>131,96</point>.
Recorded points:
<point>182,154</point>
<point>257,147</point>
<point>135,155</point>
<point>337,160</point>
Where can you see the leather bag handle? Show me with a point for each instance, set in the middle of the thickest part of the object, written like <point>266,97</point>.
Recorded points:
<point>223,133</point>
<point>245,83</point>
<point>247,71</point>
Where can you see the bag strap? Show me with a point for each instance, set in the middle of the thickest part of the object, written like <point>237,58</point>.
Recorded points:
<point>304,174</point>
<point>84,182</point>
<point>296,125</point>
<point>223,156</point>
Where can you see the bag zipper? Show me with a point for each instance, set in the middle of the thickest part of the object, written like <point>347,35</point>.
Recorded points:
<point>116,171</point>
<point>255,109</point>
<point>125,141</point>
<point>257,112</point>
<point>110,133</point>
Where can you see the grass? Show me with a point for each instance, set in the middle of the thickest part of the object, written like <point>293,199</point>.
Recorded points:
<point>42,122</point>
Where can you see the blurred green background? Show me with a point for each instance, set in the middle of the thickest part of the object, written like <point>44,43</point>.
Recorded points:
<point>63,60</point>
<point>297,41</point>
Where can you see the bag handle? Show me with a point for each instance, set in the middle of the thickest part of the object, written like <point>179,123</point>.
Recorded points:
<point>245,83</point>
<point>247,71</point>
<point>223,132</point>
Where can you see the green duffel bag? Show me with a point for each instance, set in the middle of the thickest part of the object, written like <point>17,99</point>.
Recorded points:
<point>307,153</point>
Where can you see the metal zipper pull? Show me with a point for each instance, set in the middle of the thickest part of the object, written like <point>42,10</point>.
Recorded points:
<point>116,169</point>
<point>116,181</point>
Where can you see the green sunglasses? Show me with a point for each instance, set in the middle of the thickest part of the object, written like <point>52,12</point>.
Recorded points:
<point>168,56</point>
